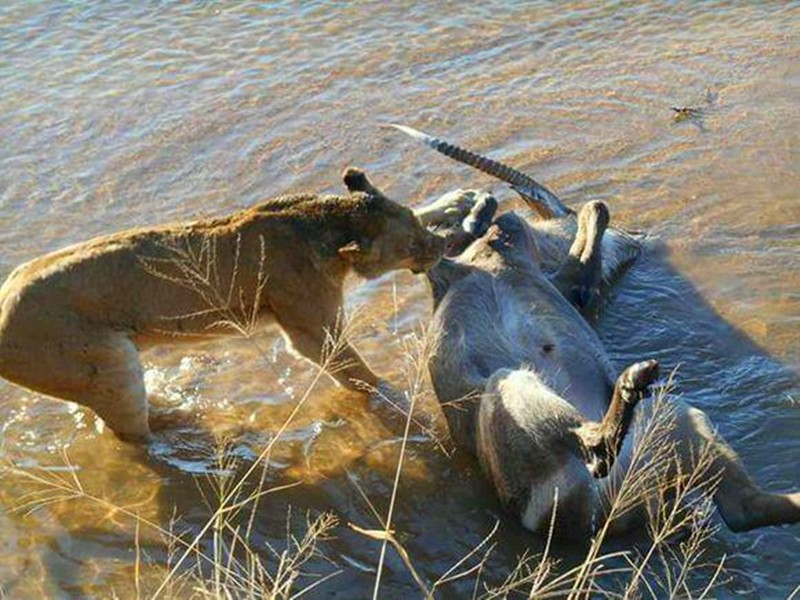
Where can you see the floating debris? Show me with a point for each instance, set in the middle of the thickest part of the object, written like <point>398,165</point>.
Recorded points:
<point>693,114</point>
<point>687,112</point>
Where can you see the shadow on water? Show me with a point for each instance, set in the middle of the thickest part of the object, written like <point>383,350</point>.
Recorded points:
<point>444,508</point>
<point>654,311</point>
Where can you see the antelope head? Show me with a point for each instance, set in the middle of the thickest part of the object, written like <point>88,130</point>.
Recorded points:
<point>556,224</point>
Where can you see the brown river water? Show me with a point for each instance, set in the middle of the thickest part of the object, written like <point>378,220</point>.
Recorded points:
<point>116,114</point>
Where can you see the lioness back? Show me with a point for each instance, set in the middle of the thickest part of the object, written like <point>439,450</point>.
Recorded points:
<point>175,281</point>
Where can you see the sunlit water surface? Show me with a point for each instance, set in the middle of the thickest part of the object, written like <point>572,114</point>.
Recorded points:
<point>115,114</point>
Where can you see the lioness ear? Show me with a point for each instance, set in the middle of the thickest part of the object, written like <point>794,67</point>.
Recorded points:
<point>356,181</point>
<point>350,251</point>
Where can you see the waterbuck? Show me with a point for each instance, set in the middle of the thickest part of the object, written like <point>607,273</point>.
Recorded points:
<point>525,383</point>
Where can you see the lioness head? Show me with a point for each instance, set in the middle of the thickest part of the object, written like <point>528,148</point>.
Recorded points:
<point>388,236</point>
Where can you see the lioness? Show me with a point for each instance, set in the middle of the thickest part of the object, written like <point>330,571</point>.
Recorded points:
<point>72,322</point>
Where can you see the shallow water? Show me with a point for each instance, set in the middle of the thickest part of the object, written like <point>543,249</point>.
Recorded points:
<point>118,114</point>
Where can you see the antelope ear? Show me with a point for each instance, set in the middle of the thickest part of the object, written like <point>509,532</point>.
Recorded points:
<point>350,251</point>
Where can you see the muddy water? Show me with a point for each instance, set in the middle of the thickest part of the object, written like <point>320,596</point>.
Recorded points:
<point>118,114</point>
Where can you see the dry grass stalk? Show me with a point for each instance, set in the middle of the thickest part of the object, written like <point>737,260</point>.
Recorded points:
<point>195,268</point>
<point>198,271</point>
<point>675,499</point>
<point>415,373</point>
<point>233,568</point>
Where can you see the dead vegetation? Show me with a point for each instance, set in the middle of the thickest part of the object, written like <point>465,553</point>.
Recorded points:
<point>221,560</point>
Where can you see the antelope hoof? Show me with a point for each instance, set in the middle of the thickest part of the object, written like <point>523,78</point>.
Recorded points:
<point>639,376</point>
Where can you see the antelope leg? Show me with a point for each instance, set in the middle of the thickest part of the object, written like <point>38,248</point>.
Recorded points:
<point>580,276</point>
<point>602,441</point>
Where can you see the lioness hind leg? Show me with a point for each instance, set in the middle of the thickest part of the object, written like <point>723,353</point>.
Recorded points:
<point>80,362</point>
<point>117,394</point>
<point>580,276</point>
<point>741,503</point>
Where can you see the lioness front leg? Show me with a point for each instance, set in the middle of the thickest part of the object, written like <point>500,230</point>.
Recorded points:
<point>316,333</point>
<point>341,360</point>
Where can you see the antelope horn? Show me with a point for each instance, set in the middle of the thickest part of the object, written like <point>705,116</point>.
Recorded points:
<point>538,197</point>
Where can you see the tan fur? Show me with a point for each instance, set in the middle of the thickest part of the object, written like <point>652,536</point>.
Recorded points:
<point>72,322</point>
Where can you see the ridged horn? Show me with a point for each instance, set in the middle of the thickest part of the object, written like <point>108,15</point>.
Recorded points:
<point>538,197</point>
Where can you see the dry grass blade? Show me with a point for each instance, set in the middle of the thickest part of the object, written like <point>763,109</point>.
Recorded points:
<point>236,487</point>
<point>386,535</point>
<point>448,577</point>
<point>417,381</point>
<point>220,560</point>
